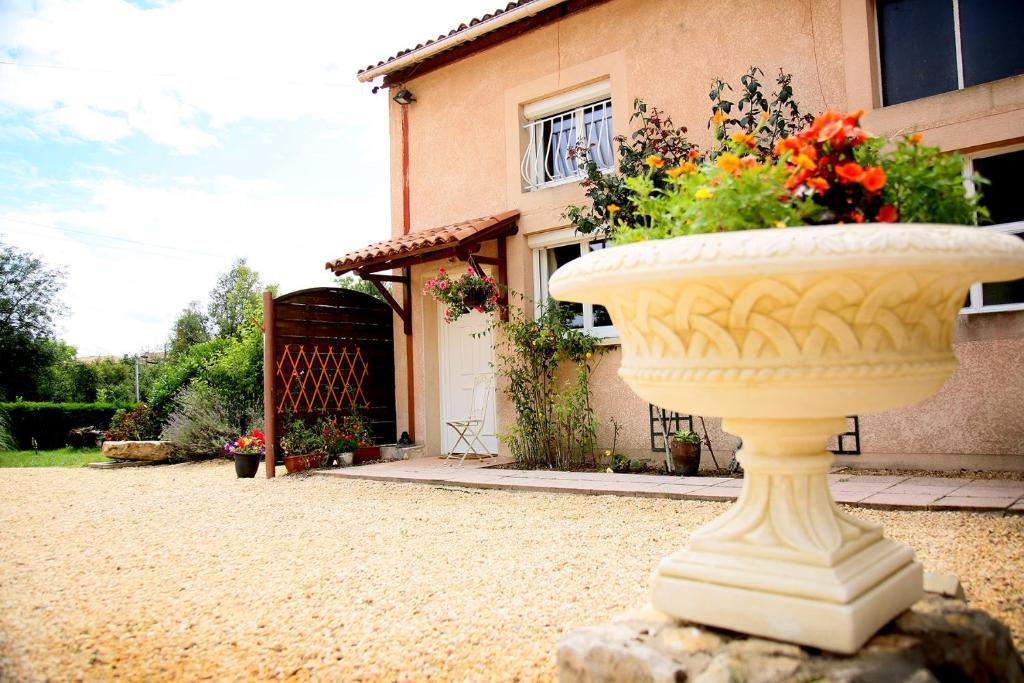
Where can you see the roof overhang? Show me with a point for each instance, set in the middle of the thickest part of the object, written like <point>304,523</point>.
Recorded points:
<point>459,240</point>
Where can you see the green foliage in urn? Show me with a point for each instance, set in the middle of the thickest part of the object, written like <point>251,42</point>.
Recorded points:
<point>686,436</point>
<point>555,426</point>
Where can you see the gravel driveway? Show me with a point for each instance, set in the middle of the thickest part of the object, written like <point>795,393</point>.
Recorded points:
<point>186,572</point>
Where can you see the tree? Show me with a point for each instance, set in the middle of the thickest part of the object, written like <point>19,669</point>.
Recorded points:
<point>67,379</point>
<point>235,289</point>
<point>191,328</point>
<point>360,285</point>
<point>28,307</point>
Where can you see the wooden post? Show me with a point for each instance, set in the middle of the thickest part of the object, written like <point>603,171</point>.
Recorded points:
<point>269,400</point>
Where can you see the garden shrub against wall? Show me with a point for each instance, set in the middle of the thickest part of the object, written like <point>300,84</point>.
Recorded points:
<point>555,425</point>
<point>49,423</point>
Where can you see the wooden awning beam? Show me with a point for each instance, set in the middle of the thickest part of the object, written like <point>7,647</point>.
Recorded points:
<point>403,312</point>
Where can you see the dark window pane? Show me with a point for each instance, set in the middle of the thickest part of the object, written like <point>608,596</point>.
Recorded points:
<point>918,48</point>
<point>1002,196</point>
<point>601,317</point>
<point>558,257</point>
<point>995,293</point>
<point>990,39</point>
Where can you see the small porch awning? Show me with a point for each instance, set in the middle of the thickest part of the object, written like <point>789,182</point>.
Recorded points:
<point>458,240</point>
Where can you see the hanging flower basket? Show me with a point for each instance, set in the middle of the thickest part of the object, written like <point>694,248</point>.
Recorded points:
<point>469,292</point>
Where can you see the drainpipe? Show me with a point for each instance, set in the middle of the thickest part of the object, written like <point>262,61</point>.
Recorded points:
<point>406,226</point>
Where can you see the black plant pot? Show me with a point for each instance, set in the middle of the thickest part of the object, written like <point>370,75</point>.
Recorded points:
<point>474,299</point>
<point>246,464</point>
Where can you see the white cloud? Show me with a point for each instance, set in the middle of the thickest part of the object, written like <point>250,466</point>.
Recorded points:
<point>179,72</point>
<point>124,295</point>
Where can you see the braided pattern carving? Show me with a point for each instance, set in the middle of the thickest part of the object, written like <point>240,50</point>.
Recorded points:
<point>746,328</point>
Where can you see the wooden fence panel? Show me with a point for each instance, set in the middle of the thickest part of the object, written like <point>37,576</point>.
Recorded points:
<point>331,348</point>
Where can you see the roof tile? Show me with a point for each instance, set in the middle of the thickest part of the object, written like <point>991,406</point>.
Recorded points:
<point>421,241</point>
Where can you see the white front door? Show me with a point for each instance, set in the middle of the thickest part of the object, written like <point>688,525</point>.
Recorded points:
<point>464,357</point>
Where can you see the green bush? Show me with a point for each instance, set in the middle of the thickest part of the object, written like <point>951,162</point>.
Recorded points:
<point>201,424</point>
<point>138,424</point>
<point>49,423</point>
<point>7,442</point>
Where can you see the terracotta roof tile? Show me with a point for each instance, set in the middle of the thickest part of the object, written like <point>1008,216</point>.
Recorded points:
<point>425,241</point>
<point>453,32</point>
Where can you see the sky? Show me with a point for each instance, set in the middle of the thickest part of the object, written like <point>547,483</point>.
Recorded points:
<point>144,146</point>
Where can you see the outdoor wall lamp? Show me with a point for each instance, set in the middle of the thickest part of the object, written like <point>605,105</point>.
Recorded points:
<point>404,97</point>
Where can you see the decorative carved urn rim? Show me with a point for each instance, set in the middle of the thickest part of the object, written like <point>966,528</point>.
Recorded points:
<point>871,246</point>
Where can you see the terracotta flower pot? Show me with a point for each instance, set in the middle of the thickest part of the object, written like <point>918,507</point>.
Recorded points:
<point>783,333</point>
<point>365,453</point>
<point>685,457</point>
<point>299,463</point>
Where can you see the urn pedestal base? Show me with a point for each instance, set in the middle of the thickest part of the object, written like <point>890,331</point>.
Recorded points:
<point>766,612</point>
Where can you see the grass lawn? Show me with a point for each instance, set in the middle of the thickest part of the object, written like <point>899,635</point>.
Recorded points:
<point>62,457</point>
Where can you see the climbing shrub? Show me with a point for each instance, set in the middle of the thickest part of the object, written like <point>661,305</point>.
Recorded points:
<point>544,365</point>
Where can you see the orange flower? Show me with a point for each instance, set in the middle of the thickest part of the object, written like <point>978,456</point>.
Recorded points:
<point>693,153</point>
<point>850,172</point>
<point>857,217</point>
<point>835,129</point>
<point>787,145</point>
<point>915,138</point>
<point>718,117</point>
<point>886,214</point>
<point>743,139</point>
<point>613,208</point>
<point>874,179</point>
<point>687,167</point>
<point>655,161</point>
<point>748,161</point>
<point>728,162</point>
<point>819,184</point>
<point>854,117</point>
<point>675,172</point>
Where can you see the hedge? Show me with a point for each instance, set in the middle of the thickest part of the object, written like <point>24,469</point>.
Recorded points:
<point>50,423</point>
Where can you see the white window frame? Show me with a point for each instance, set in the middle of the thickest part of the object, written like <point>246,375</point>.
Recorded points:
<point>573,102</point>
<point>540,244</point>
<point>977,303</point>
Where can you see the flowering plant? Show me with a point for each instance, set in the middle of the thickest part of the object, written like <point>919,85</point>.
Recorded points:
<point>255,444</point>
<point>468,292</point>
<point>830,172</point>
<point>346,437</point>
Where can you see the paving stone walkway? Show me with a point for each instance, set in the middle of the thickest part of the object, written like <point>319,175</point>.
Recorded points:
<point>875,491</point>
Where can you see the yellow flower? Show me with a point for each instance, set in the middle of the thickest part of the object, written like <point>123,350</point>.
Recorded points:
<point>613,208</point>
<point>589,354</point>
<point>675,172</point>
<point>804,162</point>
<point>703,193</point>
<point>607,454</point>
<point>655,161</point>
<point>743,139</point>
<point>728,162</point>
<point>764,116</point>
<point>718,118</point>
<point>780,224</point>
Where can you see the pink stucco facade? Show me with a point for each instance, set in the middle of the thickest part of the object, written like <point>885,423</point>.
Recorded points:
<point>466,142</point>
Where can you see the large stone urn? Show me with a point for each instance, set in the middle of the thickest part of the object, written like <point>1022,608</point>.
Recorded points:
<point>782,333</point>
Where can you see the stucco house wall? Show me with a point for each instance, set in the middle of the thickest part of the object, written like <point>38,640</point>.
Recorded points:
<point>466,141</point>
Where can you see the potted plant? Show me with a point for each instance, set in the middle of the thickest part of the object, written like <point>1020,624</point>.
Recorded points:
<point>724,308</point>
<point>247,452</point>
<point>685,447</point>
<point>340,443</point>
<point>469,292</point>
<point>303,445</point>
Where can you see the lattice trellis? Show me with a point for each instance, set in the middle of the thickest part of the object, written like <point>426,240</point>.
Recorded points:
<point>323,379</point>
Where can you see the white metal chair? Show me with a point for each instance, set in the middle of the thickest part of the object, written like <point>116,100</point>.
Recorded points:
<point>470,429</point>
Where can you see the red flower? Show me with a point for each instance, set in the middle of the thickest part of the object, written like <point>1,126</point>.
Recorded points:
<point>258,435</point>
<point>887,214</point>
